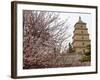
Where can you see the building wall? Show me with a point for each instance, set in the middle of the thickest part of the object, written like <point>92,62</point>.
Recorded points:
<point>80,43</point>
<point>81,50</point>
<point>79,37</point>
<point>81,31</point>
<point>80,26</point>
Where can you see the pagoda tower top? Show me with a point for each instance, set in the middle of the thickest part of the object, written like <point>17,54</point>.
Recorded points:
<point>80,21</point>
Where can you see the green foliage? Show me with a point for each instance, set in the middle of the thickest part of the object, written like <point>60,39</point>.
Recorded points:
<point>85,58</point>
<point>87,55</point>
<point>70,48</point>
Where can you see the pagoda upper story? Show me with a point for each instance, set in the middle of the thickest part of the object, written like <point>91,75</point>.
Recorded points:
<point>80,30</point>
<point>80,24</point>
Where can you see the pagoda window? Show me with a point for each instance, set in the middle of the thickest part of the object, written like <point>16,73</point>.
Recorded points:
<point>82,43</point>
<point>83,50</point>
<point>82,37</point>
<point>81,26</point>
<point>82,32</point>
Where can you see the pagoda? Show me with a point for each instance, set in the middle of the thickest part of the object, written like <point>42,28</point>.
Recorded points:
<point>81,37</point>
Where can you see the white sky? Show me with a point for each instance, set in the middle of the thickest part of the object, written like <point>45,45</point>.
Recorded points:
<point>73,18</point>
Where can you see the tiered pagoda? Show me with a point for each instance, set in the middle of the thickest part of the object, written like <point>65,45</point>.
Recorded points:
<point>81,37</point>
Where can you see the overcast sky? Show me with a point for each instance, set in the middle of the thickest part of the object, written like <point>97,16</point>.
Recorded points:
<point>73,18</point>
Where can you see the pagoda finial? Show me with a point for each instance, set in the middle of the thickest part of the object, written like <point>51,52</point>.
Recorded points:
<point>80,21</point>
<point>79,18</point>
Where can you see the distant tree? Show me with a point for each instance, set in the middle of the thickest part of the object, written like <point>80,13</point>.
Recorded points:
<point>87,55</point>
<point>70,48</point>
